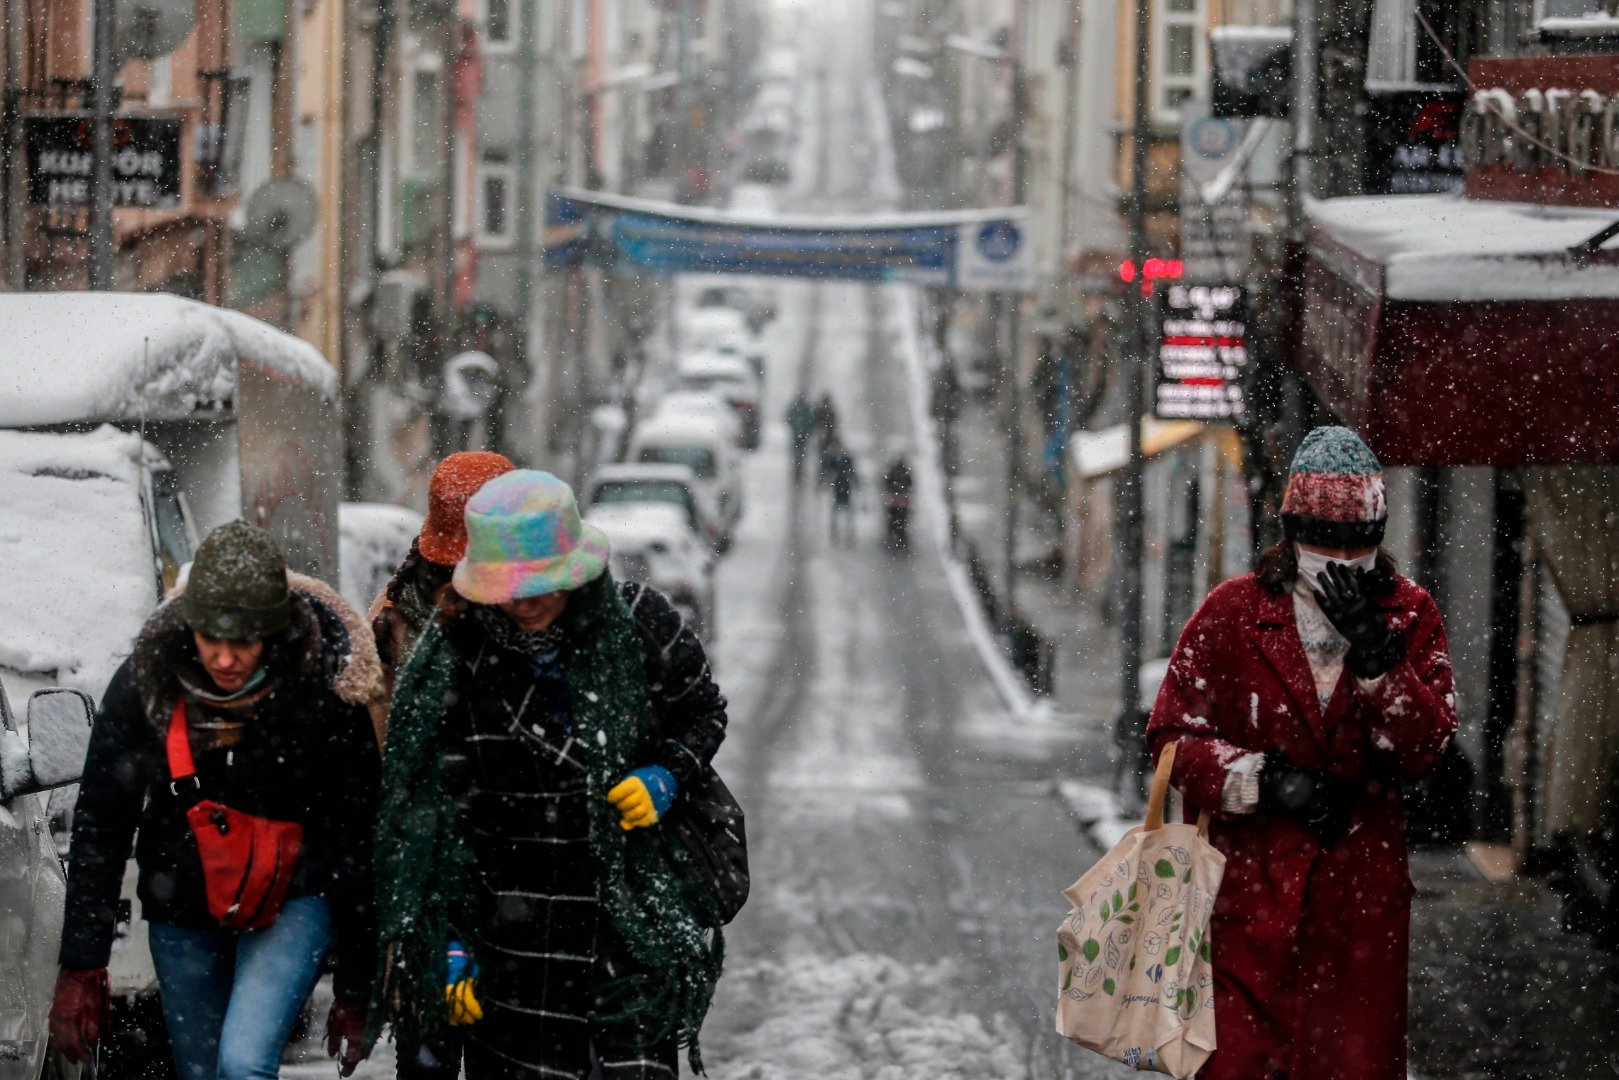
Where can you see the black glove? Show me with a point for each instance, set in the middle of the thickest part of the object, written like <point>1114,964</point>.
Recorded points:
<point>1344,594</point>
<point>1318,801</point>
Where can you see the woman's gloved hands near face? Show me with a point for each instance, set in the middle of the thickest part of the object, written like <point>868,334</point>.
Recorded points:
<point>1344,594</point>
<point>460,988</point>
<point>644,796</point>
<point>1318,801</point>
<point>79,1012</point>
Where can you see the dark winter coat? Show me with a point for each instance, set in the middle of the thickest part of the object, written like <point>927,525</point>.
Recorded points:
<point>499,748</point>
<point>308,756</point>
<point>397,617</point>
<point>1310,943</point>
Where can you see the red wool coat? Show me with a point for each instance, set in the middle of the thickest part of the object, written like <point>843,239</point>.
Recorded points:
<point>1310,943</point>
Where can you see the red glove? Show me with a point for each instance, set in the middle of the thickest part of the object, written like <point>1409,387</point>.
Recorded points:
<point>79,1012</point>
<point>346,1021</point>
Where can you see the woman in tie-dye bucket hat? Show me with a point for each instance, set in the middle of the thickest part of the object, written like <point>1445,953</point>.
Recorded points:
<point>545,722</point>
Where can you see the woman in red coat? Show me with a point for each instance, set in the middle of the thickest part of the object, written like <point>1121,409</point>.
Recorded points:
<point>1302,697</point>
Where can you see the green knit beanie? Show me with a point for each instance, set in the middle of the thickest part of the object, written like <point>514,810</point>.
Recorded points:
<point>238,585</point>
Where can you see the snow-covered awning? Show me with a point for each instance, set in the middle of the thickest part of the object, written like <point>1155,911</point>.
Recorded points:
<point>1098,453</point>
<point>1453,332</point>
<point>90,357</point>
<point>1450,248</point>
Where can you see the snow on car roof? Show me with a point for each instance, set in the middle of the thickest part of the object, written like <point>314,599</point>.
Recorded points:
<point>79,577</point>
<point>683,426</point>
<point>127,356</point>
<point>716,364</point>
<point>373,539</point>
<point>1450,248</point>
<point>631,524</point>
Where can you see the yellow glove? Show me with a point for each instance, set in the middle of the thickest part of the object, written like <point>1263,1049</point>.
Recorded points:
<point>460,988</point>
<point>643,797</point>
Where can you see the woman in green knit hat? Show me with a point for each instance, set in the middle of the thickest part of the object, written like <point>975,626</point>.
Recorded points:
<point>546,721</point>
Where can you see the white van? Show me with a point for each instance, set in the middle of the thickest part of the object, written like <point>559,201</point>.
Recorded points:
<point>131,425</point>
<point>705,447</point>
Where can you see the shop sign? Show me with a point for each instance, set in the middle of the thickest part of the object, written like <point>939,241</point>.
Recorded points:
<point>145,160</point>
<point>1544,130</point>
<point>1216,240</point>
<point>1202,353</point>
<point>1413,144</point>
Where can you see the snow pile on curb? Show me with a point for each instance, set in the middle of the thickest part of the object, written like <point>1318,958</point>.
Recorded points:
<point>900,310</point>
<point>1097,811</point>
<point>858,1017</point>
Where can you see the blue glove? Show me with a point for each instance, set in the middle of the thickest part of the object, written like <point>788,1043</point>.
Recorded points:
<point>644,796</point>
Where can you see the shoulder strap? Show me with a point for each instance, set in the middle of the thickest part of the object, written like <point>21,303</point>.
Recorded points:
<point>182,769</point>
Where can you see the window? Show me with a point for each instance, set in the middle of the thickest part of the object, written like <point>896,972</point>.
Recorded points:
<point>426,138</point>
<point>1178,59</point>
<point>1576,18</point>
<point>500,25</point>
<point>496,198</point>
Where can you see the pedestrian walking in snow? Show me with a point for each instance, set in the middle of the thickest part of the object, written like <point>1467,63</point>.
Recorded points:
<point>1302,696</point>
<point>236,738</point>
<point>844,479</point>
<point>398,618</point>
<point>801,421</point>
<point>826,421</point>
<point>545,722</point>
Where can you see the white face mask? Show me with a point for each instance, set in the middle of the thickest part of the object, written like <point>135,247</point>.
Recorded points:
<point>1312,563</point>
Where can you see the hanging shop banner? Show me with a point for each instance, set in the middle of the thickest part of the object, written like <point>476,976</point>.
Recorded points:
<point>1413,144</point>
<point>145,160</point>
<point>984,251</point>
<point>1202,353</point>
<point>1216,235</point>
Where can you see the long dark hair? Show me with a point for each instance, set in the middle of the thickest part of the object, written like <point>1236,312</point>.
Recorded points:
<point>1278,569</point>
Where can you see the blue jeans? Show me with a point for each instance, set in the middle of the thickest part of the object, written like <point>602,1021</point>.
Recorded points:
<point>230,999</point>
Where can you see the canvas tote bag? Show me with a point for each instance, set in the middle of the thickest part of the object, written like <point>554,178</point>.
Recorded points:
<point>1135,982</point>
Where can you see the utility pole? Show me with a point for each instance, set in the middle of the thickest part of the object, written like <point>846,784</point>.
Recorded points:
<point>1130,727</point>
<point>1014,330</point>
<point>530,200</point>
<point>101,256</point>
<point>685,148</point>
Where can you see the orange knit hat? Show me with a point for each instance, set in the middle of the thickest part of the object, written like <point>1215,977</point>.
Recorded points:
<point>457,479</point>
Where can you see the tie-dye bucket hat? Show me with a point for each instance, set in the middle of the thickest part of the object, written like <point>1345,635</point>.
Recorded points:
<point>525,538</point>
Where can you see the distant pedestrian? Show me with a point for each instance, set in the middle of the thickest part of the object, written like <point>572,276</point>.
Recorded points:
<point>398,618</point>
<point>546,720</point>
<point>235,743</point>
<point>826,421</point>
<point>801,422</point>
<point>844,480</point>
<point>1303,696</point>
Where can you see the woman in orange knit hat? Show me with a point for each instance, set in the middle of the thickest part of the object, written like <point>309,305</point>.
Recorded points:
<point>404,607</point>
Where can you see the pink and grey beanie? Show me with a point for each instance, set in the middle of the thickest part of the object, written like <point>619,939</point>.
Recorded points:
<point>525,538</point>
<point>1335,495</point>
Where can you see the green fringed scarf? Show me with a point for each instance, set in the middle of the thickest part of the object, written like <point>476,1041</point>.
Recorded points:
<point>426,872</point>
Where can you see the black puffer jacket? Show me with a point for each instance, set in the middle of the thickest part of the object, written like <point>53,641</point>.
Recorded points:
<point>309,756</point>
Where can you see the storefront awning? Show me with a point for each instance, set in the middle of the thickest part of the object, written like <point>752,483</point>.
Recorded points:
<point>1458,332</point>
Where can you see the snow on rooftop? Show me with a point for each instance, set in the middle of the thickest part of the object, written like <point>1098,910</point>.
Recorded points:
<point>123,356</point>
<point>1451,248</point>
<point>78,577</point>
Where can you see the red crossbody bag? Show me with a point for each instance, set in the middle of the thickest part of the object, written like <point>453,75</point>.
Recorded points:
<point>247,861</point>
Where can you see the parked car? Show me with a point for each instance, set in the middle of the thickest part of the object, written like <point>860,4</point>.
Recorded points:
<point>721,330</point>
<point>672,485</point>
<point>46,754</point>
<point>655,543</point>
<point>700,403</point>
<point>705,447</point>
<point>374,539</point>
<point>733,380</point>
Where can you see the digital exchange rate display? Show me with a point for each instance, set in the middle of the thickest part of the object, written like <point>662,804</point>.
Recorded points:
<point>1202,353</point>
